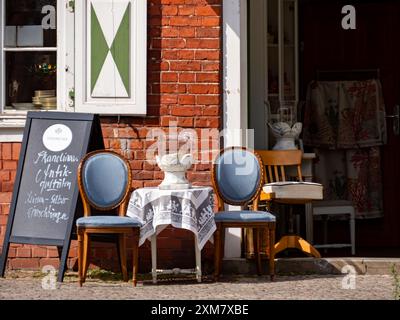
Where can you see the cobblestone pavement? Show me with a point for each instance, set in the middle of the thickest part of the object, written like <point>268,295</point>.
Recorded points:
<point>29,286</point>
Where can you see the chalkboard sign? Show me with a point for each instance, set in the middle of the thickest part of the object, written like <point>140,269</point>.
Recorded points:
<point>44,202</point>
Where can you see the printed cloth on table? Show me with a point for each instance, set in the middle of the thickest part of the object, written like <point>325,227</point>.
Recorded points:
<point>190,209</point>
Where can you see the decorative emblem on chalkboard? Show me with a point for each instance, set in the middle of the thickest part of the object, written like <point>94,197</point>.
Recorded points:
<point>57,138</point>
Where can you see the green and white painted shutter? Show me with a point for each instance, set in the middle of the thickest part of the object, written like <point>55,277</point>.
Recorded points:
<point>111,56</point>
<point>110,49</point>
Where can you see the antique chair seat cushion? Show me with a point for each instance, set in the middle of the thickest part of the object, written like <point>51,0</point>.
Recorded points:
<point>108,221</point>
<point>244,216</point>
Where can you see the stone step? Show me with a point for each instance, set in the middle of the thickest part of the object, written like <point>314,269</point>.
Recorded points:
<point>287,266</point>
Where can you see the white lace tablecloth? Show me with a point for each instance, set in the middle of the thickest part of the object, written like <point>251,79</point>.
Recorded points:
<point>190,209</point>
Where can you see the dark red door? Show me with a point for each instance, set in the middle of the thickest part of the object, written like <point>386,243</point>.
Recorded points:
<point>374,44</point>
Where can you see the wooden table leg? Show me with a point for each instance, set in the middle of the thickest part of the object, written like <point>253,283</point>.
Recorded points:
<point>296,242</point>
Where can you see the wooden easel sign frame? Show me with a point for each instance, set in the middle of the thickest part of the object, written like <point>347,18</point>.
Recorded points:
<point>44,203</point>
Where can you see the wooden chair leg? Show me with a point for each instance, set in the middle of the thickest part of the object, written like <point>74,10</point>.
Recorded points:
<point>272,252</point>
<point>80,256</point>
<point>85,260</point>
<point>122,255</point>
<point>222,246</point>
<point>257,249</point>
<point>217,252</point>
<point>249,243</point>
<point>135,255</point>
<point>223,232</point>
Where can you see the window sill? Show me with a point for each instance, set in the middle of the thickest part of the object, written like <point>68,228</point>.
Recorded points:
<point>12,127</point>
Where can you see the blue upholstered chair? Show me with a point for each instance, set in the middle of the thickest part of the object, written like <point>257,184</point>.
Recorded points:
<point>238,176</point>
<point>104,179</point>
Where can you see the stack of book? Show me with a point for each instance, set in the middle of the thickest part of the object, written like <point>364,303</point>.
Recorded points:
<point>45,99</point>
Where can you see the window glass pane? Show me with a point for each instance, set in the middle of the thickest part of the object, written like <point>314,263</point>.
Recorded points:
<point>31,80</point>
<point>30,23</point>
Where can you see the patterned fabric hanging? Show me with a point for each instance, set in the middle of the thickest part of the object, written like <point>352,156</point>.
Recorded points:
<point>345,121</point>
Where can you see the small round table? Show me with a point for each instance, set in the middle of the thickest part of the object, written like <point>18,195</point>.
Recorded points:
<point>190,209</point>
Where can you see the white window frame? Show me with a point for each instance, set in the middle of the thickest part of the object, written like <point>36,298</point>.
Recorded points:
<point>16,118</point>
<point>235,83</point>
<point>135,105</point>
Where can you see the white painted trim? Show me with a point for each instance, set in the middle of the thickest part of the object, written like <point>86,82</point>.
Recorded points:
<point>61,48</point>
<point>234,70</point>
<point>11,134</point>
<point>243,67</point>
<point>2,56</point>
<point>137,104</point>
<point>12,129</point>
<point>69,60</point>
<point>30,49</point>
<point>235,92</point>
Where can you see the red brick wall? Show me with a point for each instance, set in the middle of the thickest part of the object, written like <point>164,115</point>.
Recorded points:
<point>184,85</point>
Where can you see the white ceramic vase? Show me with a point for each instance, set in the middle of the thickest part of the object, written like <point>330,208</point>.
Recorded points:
<point>174,167</point>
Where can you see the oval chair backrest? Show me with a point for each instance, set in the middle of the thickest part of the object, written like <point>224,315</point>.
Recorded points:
<point>105,179</point>
<point>238,175</point>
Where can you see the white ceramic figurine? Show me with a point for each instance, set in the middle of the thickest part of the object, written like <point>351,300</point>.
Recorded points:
<point>285,135</point>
